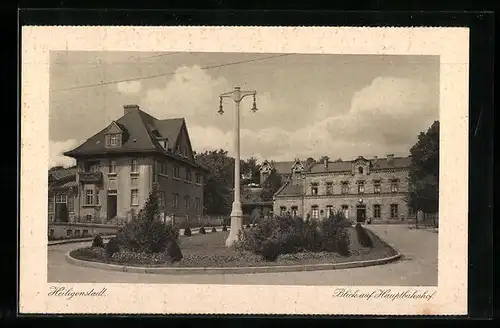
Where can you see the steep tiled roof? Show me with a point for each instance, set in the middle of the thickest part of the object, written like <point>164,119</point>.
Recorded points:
<point>285,167</point>
<point>380,163</point>
<point>63,173</point>
<point>140,135</point>
<point>290,189</point>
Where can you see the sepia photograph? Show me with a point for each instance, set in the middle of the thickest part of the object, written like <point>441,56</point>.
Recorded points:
<point>338,168</point>
<point>271,173</point>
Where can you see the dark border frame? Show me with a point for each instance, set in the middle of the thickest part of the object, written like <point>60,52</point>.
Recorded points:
<point>481,24</point>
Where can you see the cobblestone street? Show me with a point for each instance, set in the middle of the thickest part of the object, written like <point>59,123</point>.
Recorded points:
<point>419,267</point>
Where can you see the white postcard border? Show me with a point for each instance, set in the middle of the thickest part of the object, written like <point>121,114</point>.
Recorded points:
<point>451,44</point>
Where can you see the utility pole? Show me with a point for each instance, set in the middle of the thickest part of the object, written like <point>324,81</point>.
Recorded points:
<point>237,95</point>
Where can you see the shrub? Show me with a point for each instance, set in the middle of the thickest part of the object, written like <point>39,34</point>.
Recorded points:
<point>112,247</point>
<point>146,232</point>
<point>363,236</point>
<point>202,231</point>
<point>97,242</point>
<point>214,230</point>
<point>288,235</point>
<point>224,228</point>
<point>248,226</point>
<point>174,251</point>
<point>187,232</point>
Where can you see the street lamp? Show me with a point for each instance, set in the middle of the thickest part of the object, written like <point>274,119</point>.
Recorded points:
<point>237,96</point>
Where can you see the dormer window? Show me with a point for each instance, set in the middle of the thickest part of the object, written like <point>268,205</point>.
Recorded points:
<point>360,170</point>
<point>113,140</point>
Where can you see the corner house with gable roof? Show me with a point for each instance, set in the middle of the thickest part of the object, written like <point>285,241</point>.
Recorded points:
<point>361,188</point>
<point>119,166</point>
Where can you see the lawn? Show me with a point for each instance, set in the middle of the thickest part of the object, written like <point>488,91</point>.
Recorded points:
<point>209,251</point>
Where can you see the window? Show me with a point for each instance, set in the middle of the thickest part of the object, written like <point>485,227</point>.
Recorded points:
<point>85,233</point>
<point>178,149</point>
<point>360,170</point>
<point>112,167</point>
<point>134,197</point>
<point>282,210</point>
<point>51,232</point>
<point>51,204</point>
<point>88,217</point>
<point>376,211</point>
<point>71,204</point>
<point>329,188</point>
<point>314,189</point>
<point>186,202</point>
<point>176,172</point>
<point>77,233</point>
<point>134,181</point>
<point>410,211</point>
<point>161,199</point>
<point>315,212</point>
<point>61,198</point>
<point>69,233</point>
<point>185,151</point>
<point>345,210</point>
<point>394,186</point>
<point>394,210</point>
<point>329,210</point>
<point>344,188</point>
<point>198,178</point>
<point>197,204</point>
<point>89,197</point>
<point>97,198</point>
<point>376,187</point>
<point>188,175</point>
<point>161,167</point>
<point>113,140</point>
<point>361,187</point>
<point>92,167</point>
<point>175,200</point>
<point>134,167</point>
<point>294,211</point>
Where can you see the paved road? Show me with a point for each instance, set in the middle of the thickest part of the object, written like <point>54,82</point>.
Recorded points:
<point>419,268</point>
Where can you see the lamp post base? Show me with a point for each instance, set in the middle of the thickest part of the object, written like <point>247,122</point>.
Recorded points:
<point>236,224</point>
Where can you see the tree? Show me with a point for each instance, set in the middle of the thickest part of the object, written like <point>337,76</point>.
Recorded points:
<point>423,177</point>
<point>250,170</point>
<point>271,186</point>
<point>218,182</point>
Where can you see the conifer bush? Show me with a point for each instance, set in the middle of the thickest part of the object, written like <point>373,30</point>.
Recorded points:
<point>224,228</point>
<point>202,231</point>
<point>363,237</point>
<point>214,230</point>
<point>187,232</point>
<point>146,232</point>
<point>97,242</point>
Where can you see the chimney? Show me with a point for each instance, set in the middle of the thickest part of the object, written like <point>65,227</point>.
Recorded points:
<point>390,158</point>
<point>325,161</point>
<point>130,108</point>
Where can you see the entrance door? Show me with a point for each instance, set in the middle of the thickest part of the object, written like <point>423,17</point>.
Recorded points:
<point>111,206</point>
<point>360,214</point>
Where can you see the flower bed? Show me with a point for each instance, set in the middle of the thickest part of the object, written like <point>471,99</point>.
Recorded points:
<point>209,251</point>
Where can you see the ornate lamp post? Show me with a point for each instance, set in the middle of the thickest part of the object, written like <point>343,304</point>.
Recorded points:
<point>237,96</point>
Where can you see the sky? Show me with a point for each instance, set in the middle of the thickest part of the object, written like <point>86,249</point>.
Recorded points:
<point>309,105</point>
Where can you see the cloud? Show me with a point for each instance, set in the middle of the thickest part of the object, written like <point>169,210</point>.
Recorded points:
<point>129,87</point>
<point>56,150</point>
<point>385,117</point>
<point>191,93</point>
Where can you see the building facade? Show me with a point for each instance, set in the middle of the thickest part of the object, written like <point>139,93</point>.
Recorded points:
<point>62,195</point>
<point>118,167</point>
<point>362,189</point>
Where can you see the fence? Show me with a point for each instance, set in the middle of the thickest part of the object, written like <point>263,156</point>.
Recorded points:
<point>205,221</point>
<point>429,220</point>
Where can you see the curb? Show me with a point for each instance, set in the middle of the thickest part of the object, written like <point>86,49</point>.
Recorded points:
<point>83,240</point>
<point>232,270</point>
<point>74,241</point>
